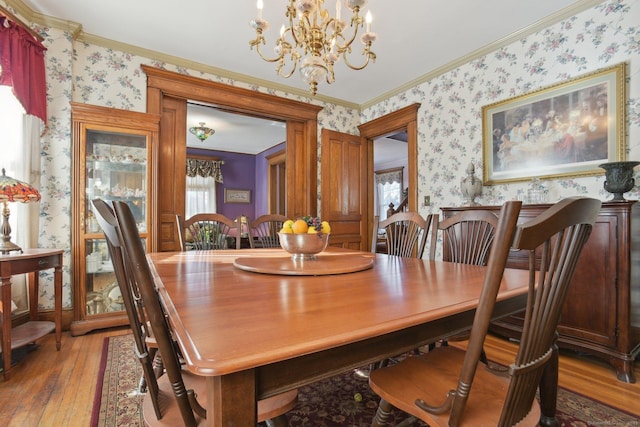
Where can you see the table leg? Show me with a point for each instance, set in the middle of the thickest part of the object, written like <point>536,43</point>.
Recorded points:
<point>57,275</point>
<point>6,326</point>
<point>231,399</point>
<point>33,295</point>
<point>549,391</point>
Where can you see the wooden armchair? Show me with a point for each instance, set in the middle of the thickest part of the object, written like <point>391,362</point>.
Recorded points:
<point>406,234</point>
<point>263,231</point>
<point>184,386</point>
<point>208,231</point>
<point>436,387</point>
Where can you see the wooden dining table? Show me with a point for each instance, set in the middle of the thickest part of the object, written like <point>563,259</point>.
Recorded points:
<point>256,323</point>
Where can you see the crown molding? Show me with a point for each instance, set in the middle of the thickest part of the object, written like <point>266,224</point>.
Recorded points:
<point>78,34</point>
<point>567,12</point>
<point>47,21</point>
<point>197,66</point>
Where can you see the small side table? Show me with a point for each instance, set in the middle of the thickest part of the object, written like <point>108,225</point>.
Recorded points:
<point>31,261</point>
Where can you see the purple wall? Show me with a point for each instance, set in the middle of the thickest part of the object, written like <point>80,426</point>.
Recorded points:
<point>242,172</point>
<point>239,173</point>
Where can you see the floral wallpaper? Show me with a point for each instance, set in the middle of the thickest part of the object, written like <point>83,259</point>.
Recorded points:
<point>450,118</point>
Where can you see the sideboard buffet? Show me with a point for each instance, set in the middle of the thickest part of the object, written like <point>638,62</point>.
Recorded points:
<point>601,316</point>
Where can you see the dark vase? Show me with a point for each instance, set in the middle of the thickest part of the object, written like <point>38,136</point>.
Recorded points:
<point>619,178</point>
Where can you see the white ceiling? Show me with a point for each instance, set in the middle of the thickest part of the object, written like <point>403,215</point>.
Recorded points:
<point>234,132</point>
<point>239,133</point>
<point>415,38</point>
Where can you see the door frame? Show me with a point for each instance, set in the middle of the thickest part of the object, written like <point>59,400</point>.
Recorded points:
<point>404,119</point>
<point>301,146</point>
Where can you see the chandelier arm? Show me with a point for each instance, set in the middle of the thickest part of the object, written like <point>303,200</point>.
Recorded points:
<point>291,14</point>
<point>351,40</point>
<point>294,62</point>
<point>259,50</point>
<point>370,56</point>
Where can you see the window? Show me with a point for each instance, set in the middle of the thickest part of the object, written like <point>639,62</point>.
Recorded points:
<point>388,190</point>
<point>11,120</point>
<point>200,194</point>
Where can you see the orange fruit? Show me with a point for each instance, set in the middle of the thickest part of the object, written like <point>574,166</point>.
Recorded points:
<point>300,226</point>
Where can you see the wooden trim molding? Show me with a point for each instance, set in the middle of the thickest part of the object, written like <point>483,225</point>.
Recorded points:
<point>167,90</point>
<point>403,119</point>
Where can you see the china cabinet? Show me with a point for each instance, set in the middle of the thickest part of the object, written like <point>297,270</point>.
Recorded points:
<point>601,315</point>
<point>112,155</point>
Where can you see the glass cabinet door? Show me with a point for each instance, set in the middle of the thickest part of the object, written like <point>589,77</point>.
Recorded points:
<point>116,169</point>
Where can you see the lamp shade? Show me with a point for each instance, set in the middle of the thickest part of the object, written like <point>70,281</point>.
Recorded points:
<point>202,132</point>
<point>14,190</point>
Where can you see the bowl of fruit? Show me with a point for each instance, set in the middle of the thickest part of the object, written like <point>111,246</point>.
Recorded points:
<point>304,238</point>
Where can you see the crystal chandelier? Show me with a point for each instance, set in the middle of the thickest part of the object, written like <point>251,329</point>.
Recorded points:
<point>202,132</point>
<point>316,39</point>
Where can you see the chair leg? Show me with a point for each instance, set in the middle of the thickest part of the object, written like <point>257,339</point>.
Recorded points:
<point>483,357</point>
<point>142,385</point>
<point>158,365</point>
<point>383,414</point>
<point>279,421</point>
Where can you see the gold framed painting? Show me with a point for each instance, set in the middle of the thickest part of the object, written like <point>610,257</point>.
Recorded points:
<point>567,129</point>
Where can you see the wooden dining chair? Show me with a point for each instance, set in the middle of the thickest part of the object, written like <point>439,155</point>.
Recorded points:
<point>146,348</point>
<point>466,239</point>
<point>436,387</point>
<point>205,231</point>
<point>263,231</point>
<point>405,234</point>
<point>179,389</point>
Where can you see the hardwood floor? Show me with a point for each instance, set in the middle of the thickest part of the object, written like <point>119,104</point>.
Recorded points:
<point>50,388</point>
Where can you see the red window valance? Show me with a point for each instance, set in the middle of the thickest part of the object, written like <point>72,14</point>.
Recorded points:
<point>22,62</point>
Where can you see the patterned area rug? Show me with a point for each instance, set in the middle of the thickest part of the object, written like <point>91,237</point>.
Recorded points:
<point>341,401</point>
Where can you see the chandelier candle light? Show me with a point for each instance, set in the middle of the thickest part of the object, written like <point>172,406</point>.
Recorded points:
<point>316,39</point>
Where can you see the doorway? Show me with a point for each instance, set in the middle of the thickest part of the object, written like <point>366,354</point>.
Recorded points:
<point>245,144</point>
<point>167,95</point>
<point>403,120</point>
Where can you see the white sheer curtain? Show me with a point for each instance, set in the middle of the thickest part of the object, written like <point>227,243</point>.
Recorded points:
<point>21,160</point>
<point>200,196</point>
<point>202,176</point>
<point>388,190</point>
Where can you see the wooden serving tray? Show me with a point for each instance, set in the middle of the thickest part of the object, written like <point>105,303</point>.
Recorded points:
<point>324,264</point>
